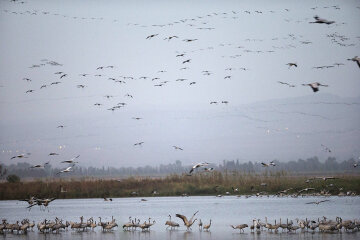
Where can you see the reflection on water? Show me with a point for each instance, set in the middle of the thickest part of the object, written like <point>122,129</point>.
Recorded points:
<point>179,234</point>
<point>223,212</point>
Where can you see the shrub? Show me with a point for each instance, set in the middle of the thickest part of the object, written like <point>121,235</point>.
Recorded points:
<point>13,178</point>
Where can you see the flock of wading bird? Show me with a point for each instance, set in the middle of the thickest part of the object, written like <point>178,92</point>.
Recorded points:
<point>48,226</point>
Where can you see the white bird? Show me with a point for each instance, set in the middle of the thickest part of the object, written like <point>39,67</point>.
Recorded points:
<point>71,160</point>
<point>198,165</point>
<point>68,169</point>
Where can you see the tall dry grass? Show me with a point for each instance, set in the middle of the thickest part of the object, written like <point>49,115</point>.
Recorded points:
<point>173,185</point>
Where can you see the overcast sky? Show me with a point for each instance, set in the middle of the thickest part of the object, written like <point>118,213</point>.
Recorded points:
<point>237,57</point>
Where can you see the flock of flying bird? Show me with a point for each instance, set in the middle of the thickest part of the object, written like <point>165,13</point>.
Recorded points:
<point>99,72</point>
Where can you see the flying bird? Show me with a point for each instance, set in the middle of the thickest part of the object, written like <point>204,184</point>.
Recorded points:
<point>151,36</point>
<point>265,164</point>
<point>177,148</point>
<point>292,64</point>
<point>318,202</point>
<point>189,40</point>
<point>285,83</point>
<point>39,165</point>
<point>68,169</point>
<point>355,59</point>
<point>186,61</point>
<point>197,166</point>
<point>171,37</point>
<point>322,21</point>
<point>325,148</point>
<point>138,144</point>
<point>326,178</point>
<point>315,86</point>
<point>284,191</point>
<point>71,160</point>
<point>305,190</point>
<point>20,156</point>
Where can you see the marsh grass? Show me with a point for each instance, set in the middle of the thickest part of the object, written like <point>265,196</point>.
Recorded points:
<point>174,185</point>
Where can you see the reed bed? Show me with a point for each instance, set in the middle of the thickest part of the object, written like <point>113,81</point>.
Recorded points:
<point>213,183</point>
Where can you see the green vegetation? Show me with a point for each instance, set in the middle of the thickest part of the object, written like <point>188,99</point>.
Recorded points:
<point>175,185</point>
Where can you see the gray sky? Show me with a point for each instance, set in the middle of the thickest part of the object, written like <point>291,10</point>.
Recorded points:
<point>263,120</point>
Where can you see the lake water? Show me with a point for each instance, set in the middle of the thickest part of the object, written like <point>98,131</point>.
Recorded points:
<point>222,210</point>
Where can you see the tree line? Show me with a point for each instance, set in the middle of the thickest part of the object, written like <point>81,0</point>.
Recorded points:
<point>308,166</point>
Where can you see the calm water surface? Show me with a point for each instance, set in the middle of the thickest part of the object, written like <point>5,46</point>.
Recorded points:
<point>223,212</point>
